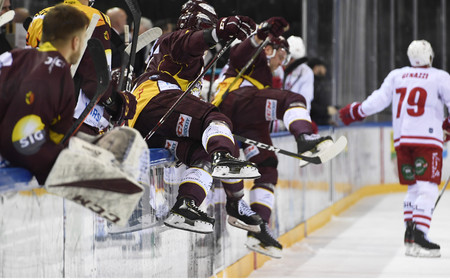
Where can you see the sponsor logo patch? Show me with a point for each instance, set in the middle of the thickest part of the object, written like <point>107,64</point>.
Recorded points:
<point>54,61</point>
<point>183,124</point>
<point>167,86</point>
<point>271,109</point>
<point>435,163</point>
<point>421,165</point>
<point>251,151</point>
<point>407,172</point>
<point>172,147</point>
<point>29,98</point>
<point>28,135</point>
<point>95,114</point>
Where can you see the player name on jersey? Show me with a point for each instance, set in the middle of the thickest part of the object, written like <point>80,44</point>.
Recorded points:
<point>415,75</point>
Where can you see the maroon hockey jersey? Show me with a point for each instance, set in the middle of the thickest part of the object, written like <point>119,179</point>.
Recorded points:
<point>239,57</point>
<point>177,58</point>
<point>37,102</point>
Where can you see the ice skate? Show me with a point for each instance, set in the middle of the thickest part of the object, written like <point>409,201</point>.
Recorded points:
<point>225,166</point>
<point>422,247</point>
<point>409,237</point>
<point>311,145</point>
<point>240,215</point>
<point>185,215</point>
<point>264,243</point>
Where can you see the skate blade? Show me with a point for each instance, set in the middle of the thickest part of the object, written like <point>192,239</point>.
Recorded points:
<point>223,172</point>
<point>418,251</point>
<point>239,224</point>
<point>270,251</point>
<point>408,250</point>
<point>180,222</point>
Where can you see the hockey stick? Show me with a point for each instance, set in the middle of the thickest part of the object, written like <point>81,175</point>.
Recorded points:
<point>322,157</point>
<point>211,82</point>
<point>249,63</point>
<point>126,34</point>
<point>145,38</point>
<point>89,31</point>
<point>6,17</point>
<point>442,192</point>
<point>126,70</point>
<point>95,48</point>
<point>188,90</point>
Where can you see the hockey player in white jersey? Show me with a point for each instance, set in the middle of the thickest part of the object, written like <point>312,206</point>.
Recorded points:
<point>298,76</point>
<point>417,94</point>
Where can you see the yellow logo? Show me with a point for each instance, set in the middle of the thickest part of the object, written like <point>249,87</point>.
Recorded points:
<point>29,98</point>
<point>28,135</point>
<point>106,35</point>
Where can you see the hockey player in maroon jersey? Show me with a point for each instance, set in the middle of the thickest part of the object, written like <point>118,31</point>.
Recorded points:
<point>37,102</point>
<point>37,95</point>
<point>251,104</point>
<point>196,132</point>
<point>418,94</point>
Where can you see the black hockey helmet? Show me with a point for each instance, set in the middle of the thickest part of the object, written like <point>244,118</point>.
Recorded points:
<point>197,15</point>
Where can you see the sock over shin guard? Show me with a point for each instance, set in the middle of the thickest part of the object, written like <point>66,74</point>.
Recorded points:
<point>427,193</point>
<point>218,137</point>
<point>408,203</point>
<point>262,200</point>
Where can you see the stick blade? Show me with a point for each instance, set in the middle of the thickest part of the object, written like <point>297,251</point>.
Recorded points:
<point>7,17</point>
<point>145,38</point>
<point>334,150</point>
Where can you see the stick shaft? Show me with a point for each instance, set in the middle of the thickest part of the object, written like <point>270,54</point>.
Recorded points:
<point>442,192</point>
<point>276,150</point>
<point>103,77</point>
<point>89,31</point>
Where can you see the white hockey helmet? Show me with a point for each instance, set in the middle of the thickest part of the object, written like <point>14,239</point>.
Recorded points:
<point>296,47</point>
<point>420,53</point>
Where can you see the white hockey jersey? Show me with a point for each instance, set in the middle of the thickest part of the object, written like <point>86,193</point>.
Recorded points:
<point>418,96</point>
<point>301,81</point>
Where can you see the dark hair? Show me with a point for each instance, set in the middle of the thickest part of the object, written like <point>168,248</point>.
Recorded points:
<point>315,61</point>
<point>62,22</point>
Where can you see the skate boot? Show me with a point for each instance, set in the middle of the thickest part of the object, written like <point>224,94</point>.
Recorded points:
<point>409,237</point>
<point>240,215</point>
<point>185,215</point>
<point>311,145</point>
<point>225,166</point>
<point>264,243</point>
<point>422,247</point>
